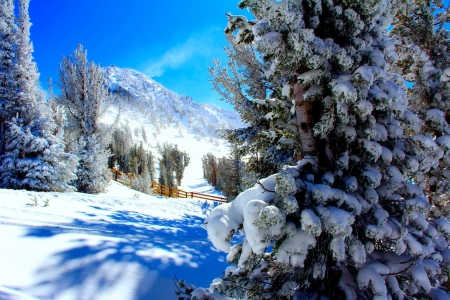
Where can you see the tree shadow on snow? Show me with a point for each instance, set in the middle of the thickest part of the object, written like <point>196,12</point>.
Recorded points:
<point>138,253</point>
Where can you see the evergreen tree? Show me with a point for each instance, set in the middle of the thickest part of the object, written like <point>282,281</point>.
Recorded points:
<point>230,172</point>
<point>121,148</point>
<point>424,58</point>
<point>225,174</point>
<point>172,164</point>
<point>270,140</point>
<point>351,220</point>
<point>209,165</point>
<point>31,157</point>
<point>181,160</point>
<point>86,99</point>
<point>8,85</point>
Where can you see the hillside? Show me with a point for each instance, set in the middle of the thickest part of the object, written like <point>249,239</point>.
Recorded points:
<point>168,117</point>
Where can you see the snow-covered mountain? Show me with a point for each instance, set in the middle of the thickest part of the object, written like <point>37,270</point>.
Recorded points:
<point>138,93</point>
<point>168,117</point>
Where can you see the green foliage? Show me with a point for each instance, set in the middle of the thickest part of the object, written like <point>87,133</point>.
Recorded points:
<point>172,164</point>
<point>225,174</point>
<point>271,137</point>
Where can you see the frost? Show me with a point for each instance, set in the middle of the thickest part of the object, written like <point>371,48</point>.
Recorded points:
<point>310,77</point>
<point>371,196</point>
<point>294,249</point>
<point>351,184</point>
<point>422,144</point>
<point>345,92</point>
<point>444,142</point>
<point>417,205</point>
<point>372,149</point>
<point>290,204</point>
<point>369,275</point>
<point>261,222</point>
<point>363,108</point>
<point>310,222</point>
<point>364,76</point>
<point>337,246</point>
<point>443,225</point>
<point>357,252</point>
<point>371,178</point>
<point>285,182</point>
<point>336,221</point>
<point>314,92</point>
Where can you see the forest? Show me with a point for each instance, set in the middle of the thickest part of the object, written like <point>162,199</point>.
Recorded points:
<point>339,179</point>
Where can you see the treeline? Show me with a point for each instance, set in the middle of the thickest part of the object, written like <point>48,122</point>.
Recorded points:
<point>226,174</point>
<point>132,158</point>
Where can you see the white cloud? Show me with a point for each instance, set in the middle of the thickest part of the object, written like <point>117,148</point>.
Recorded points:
<point>199,45</point>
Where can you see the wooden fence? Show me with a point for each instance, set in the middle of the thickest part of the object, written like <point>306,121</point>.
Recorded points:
<point>171,192</point>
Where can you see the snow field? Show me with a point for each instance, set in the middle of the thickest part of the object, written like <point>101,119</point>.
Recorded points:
<point>119,245</point>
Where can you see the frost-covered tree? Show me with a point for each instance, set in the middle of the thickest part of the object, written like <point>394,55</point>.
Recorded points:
<point>8,86</point>
<point>31,157</point>
<point>36,161</point>
<point>424,58</point>
<point>351,220</point>
<point>271,138</point>
<point>86,98</point>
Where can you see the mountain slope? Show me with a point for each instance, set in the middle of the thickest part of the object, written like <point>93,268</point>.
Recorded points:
<point>135,91</point>
<point>165,116</point>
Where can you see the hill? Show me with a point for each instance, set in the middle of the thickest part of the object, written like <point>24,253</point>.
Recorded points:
<point>157,115</point>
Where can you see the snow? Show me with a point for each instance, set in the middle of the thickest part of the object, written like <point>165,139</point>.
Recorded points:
<point>109,246</point>
<point>294,249</point>
<point>121,244</point>
<point>226,219</point>
<point>169,117</point>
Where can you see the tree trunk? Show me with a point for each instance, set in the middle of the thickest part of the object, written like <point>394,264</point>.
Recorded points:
<point>303,110</point>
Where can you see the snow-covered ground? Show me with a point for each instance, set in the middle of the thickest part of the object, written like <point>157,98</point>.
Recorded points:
<point>119,245</point>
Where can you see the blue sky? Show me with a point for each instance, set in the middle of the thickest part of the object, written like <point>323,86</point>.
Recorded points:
<point>174,42</point>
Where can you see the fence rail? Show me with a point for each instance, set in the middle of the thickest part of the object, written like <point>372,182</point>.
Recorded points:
<point>171,192</point>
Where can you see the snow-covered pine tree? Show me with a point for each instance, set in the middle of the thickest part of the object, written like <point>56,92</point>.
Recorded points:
<point>424,58</point>
<point>349,221</point>
<point>8,85</point>
<point>86,99</point>
<point>270,140</point>
<point>31,157</point>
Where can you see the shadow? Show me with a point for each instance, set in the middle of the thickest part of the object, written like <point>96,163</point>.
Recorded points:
<point>128,254</point>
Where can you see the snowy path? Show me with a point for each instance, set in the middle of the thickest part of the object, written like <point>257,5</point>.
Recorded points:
<point>109,246</point>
